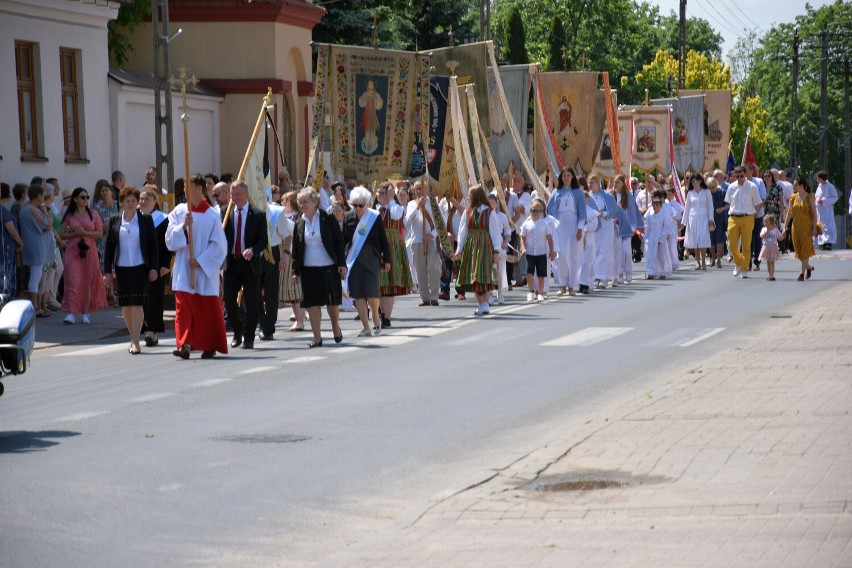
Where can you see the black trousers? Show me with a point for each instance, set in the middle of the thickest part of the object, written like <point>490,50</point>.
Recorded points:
<point>269,284</point>
<point>239,275</point>
<point>756,241</point>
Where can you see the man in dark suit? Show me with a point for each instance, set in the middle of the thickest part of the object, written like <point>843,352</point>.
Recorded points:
<point>247,238</point>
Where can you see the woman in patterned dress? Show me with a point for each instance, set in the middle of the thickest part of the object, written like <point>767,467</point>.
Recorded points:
<point>396,281</point>
<point>290,290</point>
<point>480,235</point>
<point>84,288</point>
<point>804,225</point>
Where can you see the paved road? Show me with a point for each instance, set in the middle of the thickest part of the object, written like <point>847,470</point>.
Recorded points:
<point>286,455</point>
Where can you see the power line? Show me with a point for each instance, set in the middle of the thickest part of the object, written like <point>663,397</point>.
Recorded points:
<point>741,12</point>
<point>754,29</point>
<point>721,23</point>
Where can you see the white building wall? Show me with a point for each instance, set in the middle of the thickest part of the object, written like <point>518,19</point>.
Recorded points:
<point>133,132</point>
<point>52,24</point>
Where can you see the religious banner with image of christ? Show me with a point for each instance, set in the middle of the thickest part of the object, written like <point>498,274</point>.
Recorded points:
<point>577,113</point>
<point>372,110</point>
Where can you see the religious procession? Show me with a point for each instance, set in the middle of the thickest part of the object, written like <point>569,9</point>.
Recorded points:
<point>438,191</point>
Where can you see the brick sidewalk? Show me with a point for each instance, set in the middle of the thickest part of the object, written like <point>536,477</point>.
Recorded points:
<point>742,461</point>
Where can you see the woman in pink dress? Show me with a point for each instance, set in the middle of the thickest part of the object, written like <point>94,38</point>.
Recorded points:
<point>84,289</point>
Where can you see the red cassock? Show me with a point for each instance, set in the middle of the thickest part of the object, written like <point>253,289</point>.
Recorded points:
<point>199,322</point>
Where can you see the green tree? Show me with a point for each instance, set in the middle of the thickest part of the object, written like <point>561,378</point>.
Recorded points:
<point>700,36</point>
<point>767,73</point>
<point>516,46</point>
<point>119,30</point>
<point>557,43</point>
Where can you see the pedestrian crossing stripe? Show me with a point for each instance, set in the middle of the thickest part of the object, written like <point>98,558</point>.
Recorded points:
<point>588,336</point>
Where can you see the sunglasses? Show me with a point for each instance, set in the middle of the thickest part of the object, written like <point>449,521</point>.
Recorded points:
<point>535,210</point>
<point>82,197</point>
<point>358,205</point>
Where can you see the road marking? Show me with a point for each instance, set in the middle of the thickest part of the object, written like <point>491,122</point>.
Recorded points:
<point>586,337</point>
<point>305,359</point>
<point>706,334</point>
<point>480,336</point>
<point>153,397</point>
<point>82,416</point>
<point>100,350</point>
<point>211,382</point>
<point>254,370</point>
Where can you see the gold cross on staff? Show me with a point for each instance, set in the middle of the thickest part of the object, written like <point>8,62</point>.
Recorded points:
<point>582,59</point>
<point>183,80</point>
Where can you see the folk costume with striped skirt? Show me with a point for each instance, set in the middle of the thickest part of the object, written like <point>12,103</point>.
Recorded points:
<point>479,236</point>
<point>397,281</point>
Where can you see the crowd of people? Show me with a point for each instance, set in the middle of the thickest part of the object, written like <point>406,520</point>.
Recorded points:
<point>343,246</point>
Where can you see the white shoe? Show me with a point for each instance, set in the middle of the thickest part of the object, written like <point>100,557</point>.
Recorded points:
<point>736,271</point>
<point>501,299</point>
<point>85,319</point>
<point>491,301</point>
<point>69,319</point>
<point>614,283</point>
<point>629,279</point>
<point>744,275</point>
<point>364,333</point>
<point>477,312</point>
<point>571,292</point>
<point>530,297</point>
<point>484,312</point>
<point>541,298</point>
<point>377,330</point>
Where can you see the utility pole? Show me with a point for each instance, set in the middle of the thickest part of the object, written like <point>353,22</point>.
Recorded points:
<point>823,103</point>
<point>163,117</point>
<point>794,103</point>
<point>847,144</point>
<point>681,64</point>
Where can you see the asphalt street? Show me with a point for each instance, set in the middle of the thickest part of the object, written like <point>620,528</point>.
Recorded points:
<point>285,455</point>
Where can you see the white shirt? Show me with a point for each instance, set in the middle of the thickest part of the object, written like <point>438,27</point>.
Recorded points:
<point>536,236</point>
<point>414,220</point>
<point>744,199</point>
<point>525,201</point>
<point>495,230</point>
<point>315,253</point>
<point>129,244</point>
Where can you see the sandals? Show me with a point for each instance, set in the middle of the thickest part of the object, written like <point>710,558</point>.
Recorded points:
<point>295,327</point>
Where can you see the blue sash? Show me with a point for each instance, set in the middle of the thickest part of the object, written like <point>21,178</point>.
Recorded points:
<point>359,238</point>
<point>158,217</point>
<point>273,213</point>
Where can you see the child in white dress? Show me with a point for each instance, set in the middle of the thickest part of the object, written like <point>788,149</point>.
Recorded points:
<point>770,235</point>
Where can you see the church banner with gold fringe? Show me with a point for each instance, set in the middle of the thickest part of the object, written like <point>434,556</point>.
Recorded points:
<point>577,112</point>
<point>604,162</point>
<point>717,126</point>
<point>652,135</point>
<point>471,61</point>
<point>372,109</point>
<point>516,85</point>
<point>687,131</point>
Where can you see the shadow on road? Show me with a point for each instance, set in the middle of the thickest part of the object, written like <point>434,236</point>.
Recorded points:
<point>20,442</point>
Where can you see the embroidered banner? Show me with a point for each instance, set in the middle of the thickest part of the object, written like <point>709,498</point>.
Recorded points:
<point>421,118</point>
<point>516,86</point>
<point>440,157</point>
<point>320,107</point>
<point>577,112</point>
<point>372,110</point>
<point>471,61</point>
<point>717,126</point>
<point>651,126</point>
<point>604,164</point>
<point>687,131</point>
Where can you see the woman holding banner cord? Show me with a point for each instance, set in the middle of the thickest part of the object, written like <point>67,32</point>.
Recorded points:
<point>367,253</point>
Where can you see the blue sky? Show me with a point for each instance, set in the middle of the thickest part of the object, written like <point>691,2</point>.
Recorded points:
<point>734,18</point>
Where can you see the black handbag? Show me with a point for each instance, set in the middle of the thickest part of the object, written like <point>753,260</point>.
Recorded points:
<point>83,248</point>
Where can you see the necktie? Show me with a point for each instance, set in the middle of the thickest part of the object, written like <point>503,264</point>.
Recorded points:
<point>238,247</point>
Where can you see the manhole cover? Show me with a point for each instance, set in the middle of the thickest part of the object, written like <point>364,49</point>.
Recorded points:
<point>263,438</point>
<point>590,481</point>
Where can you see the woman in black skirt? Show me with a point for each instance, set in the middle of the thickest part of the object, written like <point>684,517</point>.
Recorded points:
<point>366,240</point>
<point>319,263</point>
<point>131,259</point>
<point>154,301</point>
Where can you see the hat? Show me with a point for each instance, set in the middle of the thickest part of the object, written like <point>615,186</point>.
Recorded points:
<point>66,193</point>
